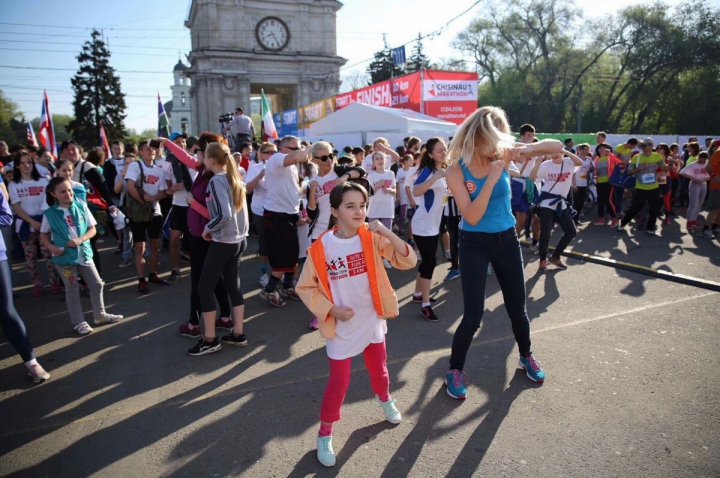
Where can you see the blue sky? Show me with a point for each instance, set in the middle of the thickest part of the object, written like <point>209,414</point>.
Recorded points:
<point>147,37</point>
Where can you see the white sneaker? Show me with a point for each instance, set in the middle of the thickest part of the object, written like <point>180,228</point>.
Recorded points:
<point>83,328</point>
<point>264,279</point>
<point>392,414</point>
<point>325,452</point>
<point>37,373</point>
<point>387,263</point>
<point>108,319</point>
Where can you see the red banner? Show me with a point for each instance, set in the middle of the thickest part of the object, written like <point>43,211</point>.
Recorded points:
<point>400,92</point>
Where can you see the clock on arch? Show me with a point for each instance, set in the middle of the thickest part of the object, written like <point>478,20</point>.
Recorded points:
<point>272,34</point>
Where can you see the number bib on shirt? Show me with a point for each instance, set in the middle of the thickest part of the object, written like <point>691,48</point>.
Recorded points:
<point>647,178</point>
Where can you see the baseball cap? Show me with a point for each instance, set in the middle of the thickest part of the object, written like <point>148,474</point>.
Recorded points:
<point>175,135</point>
<point>647,141</point>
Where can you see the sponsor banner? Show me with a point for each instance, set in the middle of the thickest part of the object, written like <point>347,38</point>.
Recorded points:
<point>452,111</point>
<point>401,92</point>
<point>450,90</point>
<point>289,123</point>
<point>317,111</point>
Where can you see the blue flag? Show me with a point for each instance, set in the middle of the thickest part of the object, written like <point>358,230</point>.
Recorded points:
<point>398,55</point>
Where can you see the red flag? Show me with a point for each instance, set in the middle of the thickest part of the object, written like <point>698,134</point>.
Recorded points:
<point>104,141</point>
<point>46,129</point>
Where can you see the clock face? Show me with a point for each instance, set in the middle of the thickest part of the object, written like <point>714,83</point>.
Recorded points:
<point>272,34</point>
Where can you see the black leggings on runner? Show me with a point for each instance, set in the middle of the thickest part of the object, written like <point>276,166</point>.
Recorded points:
<point>427,245</point>
<point>199,248</point>
<point>223,260</point>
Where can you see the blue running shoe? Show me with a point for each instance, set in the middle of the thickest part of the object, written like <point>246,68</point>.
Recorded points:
<point>452,274</point>
<point>455,381</point>
<point>532,368</point>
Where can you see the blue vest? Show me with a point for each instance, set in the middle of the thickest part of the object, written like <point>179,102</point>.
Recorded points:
<point>61,233</point>
<point>498,215</point>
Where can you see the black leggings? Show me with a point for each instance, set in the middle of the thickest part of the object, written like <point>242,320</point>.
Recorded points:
<point>223,260</point>
<point>10,322</point>
<point>452,223</point>
<point>198,253</point>
<point>427,245</point>
<point>579,199</point>
<point>603,200</point>
<point>547,219</point>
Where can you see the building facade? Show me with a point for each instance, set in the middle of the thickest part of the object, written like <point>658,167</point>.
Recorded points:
<point>178,109</point>
<point>288,48</point>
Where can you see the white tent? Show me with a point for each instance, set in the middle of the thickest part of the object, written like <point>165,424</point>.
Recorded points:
<point>369,121</point>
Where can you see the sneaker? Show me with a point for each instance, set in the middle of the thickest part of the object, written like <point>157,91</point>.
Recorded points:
<point>619,227</point>
<point>118,251</point>
<point>108,319</point>
<point>56,288</point>
<point>155,279</point>
<point>651,232</point>
<point>174,276</point>
<point>204,348</point>
<point>452,274</point>
<point>224,324</point>
<point>542,268</point>
<point>289,293</point>
<point>489,270</point>
<point>666,221</point>
<point>418,298</point>
<point>599,222</point>
<point>236,340</point>
<point>386,263</point>
<point>535,249</point>
<point>125,264</point>
<point>37,290</point>
<point>707,234</point>
<point>392,414</point>
<point>455,381</point>
<point>614,222</point>
<point>37,373</point>
<point>447,255</point>
<point>428,314</point>
<point>273,298</point>
<point>83,328</point>
<point>264,279</point>
<point>325,452</point>
<point>143,288</point>
<point>313,325</point>
<point>188,330</point>
<point>557,262</point>
<point>532,368</point>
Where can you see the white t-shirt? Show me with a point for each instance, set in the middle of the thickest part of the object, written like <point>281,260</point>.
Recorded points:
<point>30,195</point>
<point>350,287</point>
<point>528,169</point>
<point>581,176</point>
<point>367,162</point>
<point>426,221</point>
<point>400,182</point>
<point>551,174</point>
<point>408,182</point>
<point>382,203</point>
<point>696,171</point>
<point>72,230</point>
<point>258,199</point>
<point>179,198</point>
<point>283,190</point>
<point>44,172</point>
<point>325,185</point>
<point>154,180</point>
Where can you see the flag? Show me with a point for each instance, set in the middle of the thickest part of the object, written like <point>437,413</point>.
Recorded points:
<point>32,141</point>
<point>46,129</point>
<point>104,142</point>
<point>267,125</point>
<point>163,122</point>
<point>398,55</point>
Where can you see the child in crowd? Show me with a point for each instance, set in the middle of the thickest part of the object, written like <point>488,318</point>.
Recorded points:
<point>698,175</point>
<point>344,285</point>
<point>66,230</point>
<point>382,204</point>
<point>400,194</point>
<point>580,180</point>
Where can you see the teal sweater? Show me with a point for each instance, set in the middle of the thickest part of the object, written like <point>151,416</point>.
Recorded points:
<point>61,233</point>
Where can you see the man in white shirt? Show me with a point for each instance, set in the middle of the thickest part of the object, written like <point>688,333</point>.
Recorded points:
<point>282,208</point>
<point>242,127</point>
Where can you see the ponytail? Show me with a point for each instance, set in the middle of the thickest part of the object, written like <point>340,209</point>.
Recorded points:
<point>221,154</point>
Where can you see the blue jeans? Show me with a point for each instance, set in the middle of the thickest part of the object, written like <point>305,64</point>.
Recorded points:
<point>502,250</point>
<point>10,322</point>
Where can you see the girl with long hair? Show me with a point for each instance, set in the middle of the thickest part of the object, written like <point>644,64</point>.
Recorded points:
<point>664,179</point>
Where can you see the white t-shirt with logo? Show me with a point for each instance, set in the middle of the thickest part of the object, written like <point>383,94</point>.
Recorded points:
<point>325,185</point>
<point>154,180</point>
<point>260,192</point>
<point>382,203</point>
<point>581,176</point>
<point>179,198</point>
<point>696,171</point>
<point>400,182</point>
<point>426,221</point>
<point>72,230</point>
<point>408,182</point>
<point>553,173</point>
<point>30,195</point>
<point>350,287</point>
<point>281,183</point>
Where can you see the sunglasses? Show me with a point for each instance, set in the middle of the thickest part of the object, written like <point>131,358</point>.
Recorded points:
<point>325,157</point>
<point>291,149</point>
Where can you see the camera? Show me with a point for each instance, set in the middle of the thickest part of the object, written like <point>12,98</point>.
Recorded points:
<point>226,118</point>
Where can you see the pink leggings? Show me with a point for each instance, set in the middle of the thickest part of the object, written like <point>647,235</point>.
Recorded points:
<point>339,380</point>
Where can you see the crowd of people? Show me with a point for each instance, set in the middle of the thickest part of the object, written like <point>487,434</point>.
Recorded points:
<point>329,224</point>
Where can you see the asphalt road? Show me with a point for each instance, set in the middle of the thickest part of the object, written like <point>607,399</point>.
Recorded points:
<point>632,387</point>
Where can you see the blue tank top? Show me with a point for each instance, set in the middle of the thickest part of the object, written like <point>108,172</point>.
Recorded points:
<point>498,216</point>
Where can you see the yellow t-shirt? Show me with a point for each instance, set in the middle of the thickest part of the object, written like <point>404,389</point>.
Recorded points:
<point>623,152</point>
<point>690,160</point>
<point>646,179</point>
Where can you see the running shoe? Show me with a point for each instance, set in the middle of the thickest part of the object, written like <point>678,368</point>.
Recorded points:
<point>620,227</point>
<point>599,222</point>
<point>666,221</point>
<point>418,298</point>
<point>613,222</point>
<point>455,381</point>
<point>392,414</point>
<point>189,330</point>
<point>532,368</point>
<point>557,262</point>
<point>542,268</point>
<point>143,288</point>
<point>452,275</point>
<point>325,452</point>
<point>236,340</point>
<point>428,314</point>
<point>174,276</point>
<point>37,290</point>
<point>264,279</point>
<point>56,288</point>
<point>386,263</point>
<point>203,347</point>
<point>289,293</point>
<point>535,249</point>
<point>313,325</point>
<point>224,324</point>
<point>273,298</point>
<point>125,264</point>
<point>37,373</point>
<point>107,319</point>
<point>155,279</point>
<point>651,232</point>
<point>83,328</point>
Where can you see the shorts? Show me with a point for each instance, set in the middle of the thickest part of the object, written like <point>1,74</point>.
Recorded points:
<point>152,228</point>
<point>178,218</point>
<point>282,240</point>
<point>259,222</point>
<point>714,199</point>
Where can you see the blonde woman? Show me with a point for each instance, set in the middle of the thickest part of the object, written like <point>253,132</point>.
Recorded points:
<point>478,178</point>
<point>227,233</point>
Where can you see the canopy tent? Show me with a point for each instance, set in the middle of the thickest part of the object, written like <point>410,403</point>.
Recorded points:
<point>358,118</point>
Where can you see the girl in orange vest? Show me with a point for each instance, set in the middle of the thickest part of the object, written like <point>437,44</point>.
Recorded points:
<point>345,285</point>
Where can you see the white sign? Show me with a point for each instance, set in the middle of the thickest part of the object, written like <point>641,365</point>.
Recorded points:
<point>448,90</point>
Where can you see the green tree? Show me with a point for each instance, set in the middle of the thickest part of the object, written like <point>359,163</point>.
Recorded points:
<point>418,59</point>
<point>98,96</point>
<point>382,67</point>
<point>10,118</point>
<point>60,124</point>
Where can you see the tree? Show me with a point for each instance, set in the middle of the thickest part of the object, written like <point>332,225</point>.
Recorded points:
<point>354,80</point>
<point>10,117</point>
<point>382,67</point>
<point>418,59</point>
<point>98,97</point>
<point>60,124</point>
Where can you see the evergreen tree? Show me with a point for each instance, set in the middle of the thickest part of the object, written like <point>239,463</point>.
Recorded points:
<point>382,67</point>
<point>98,97</point>
<point>418,59</point>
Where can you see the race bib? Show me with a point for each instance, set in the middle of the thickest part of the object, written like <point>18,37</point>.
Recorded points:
<point>647,178</point>
<point>662,179</point>
<point>583,176</point>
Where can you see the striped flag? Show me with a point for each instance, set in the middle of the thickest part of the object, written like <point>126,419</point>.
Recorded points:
<point>32,141</point>
<point>267,125</point>
<point>46,129</point>
<point>104,141</point>
<point>163,122</point>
